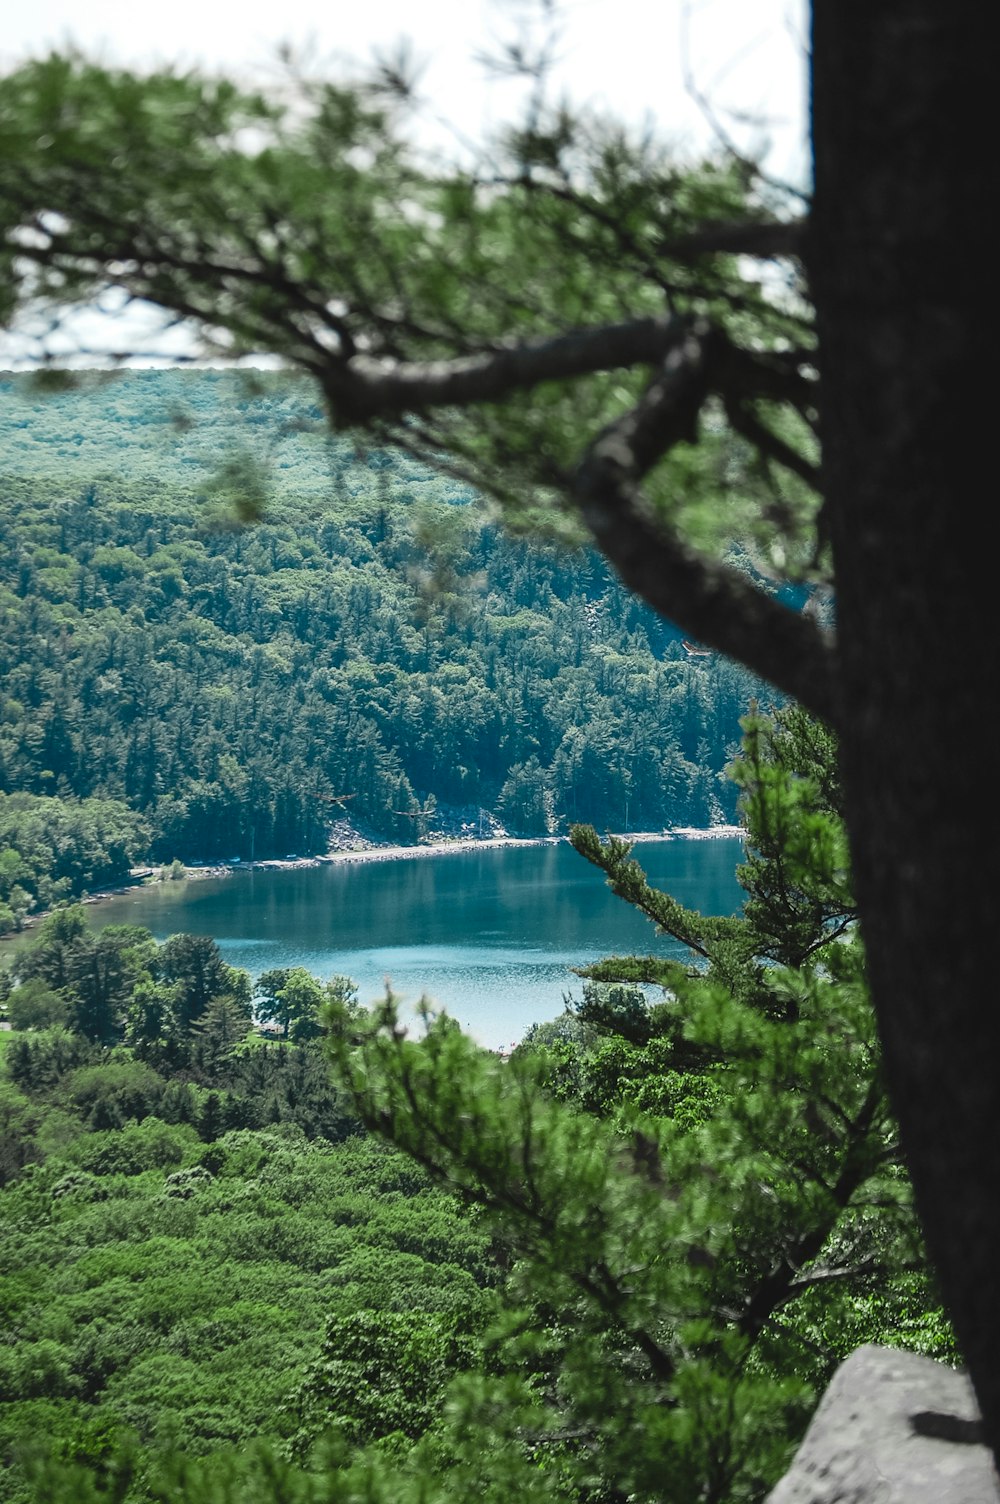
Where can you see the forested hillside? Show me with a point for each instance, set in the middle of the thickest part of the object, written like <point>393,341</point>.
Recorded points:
<point>221,627</point>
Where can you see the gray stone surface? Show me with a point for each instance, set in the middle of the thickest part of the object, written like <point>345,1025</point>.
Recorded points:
<point>892,1428</point>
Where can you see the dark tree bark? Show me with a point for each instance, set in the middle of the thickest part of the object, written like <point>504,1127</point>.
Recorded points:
<point>896,261</point>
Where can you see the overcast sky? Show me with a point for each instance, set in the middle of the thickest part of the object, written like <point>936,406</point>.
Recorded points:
<point>629,56</point>
<point>641,60</point>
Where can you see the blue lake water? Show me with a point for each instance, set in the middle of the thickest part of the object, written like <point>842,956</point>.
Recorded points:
<point>489,937</point>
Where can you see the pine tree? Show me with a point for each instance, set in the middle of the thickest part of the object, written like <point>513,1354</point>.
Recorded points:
<point>691,1247</point>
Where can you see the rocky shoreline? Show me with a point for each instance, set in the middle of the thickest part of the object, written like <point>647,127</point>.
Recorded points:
<point>356,847</point>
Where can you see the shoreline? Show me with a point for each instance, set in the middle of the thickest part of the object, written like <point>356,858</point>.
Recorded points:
<point>374,853</point>
<point>496,843</point>
<point>451,846</point>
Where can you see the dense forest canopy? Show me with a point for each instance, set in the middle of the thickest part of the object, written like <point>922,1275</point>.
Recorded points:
<point>181,684</point>
<point>633,1250</point>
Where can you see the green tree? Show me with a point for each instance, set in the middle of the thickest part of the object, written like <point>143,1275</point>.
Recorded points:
<point>522,803</point>
<point>217,1032</point>
<point>703,1190</point>
<point>48,956</point>
<point>193,966</point>
<point>39,1059</point>
<point>149,1026</point>
<point>292,999</point>
<point>210,1119</point>
<point>95,972</point>
<point>33,1005</point>
<point>566,331</point>
<point>19,1122</point>
<point>380,1374</point>
<point>105,968</point>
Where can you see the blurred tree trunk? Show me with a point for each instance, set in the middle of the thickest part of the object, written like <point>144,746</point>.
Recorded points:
<point>895,259</point>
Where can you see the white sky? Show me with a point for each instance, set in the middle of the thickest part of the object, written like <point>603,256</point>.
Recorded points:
<point>625,55</point>
<point>631,58</point>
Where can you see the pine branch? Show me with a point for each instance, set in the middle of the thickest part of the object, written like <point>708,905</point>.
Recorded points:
<point>715,603</point>
<point>781,1284</point>
<point>363,388</point>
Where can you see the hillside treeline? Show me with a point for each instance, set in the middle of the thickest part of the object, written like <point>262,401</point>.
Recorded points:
<point>374,646</point>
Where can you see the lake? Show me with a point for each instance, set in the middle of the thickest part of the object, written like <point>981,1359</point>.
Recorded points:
<point>488,935</point>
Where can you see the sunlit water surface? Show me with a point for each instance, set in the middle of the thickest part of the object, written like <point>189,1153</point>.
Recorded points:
<point>489,937</point>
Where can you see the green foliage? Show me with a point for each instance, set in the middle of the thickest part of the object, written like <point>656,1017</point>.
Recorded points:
<point>797,875</point>
<point>40,1059</point>
<point>152,1303</point>
<point>182,690</point>
<point>663,1219</point>
<point>19,1124</point>
<point>218,1033</point>
<point>96,973</point>
<point>192,966</point>
<point>381,1374</point>
<point>328,236</point>
<point>525,801</point>
<point>53,847</point>
<point>165,1278</point>
<point>291,999</point>
<point>33,1005</point>
<point>703,1195</point>
<point>131,1148</point>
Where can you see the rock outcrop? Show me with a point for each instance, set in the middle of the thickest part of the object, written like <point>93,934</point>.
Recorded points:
<point>892,1428</point>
